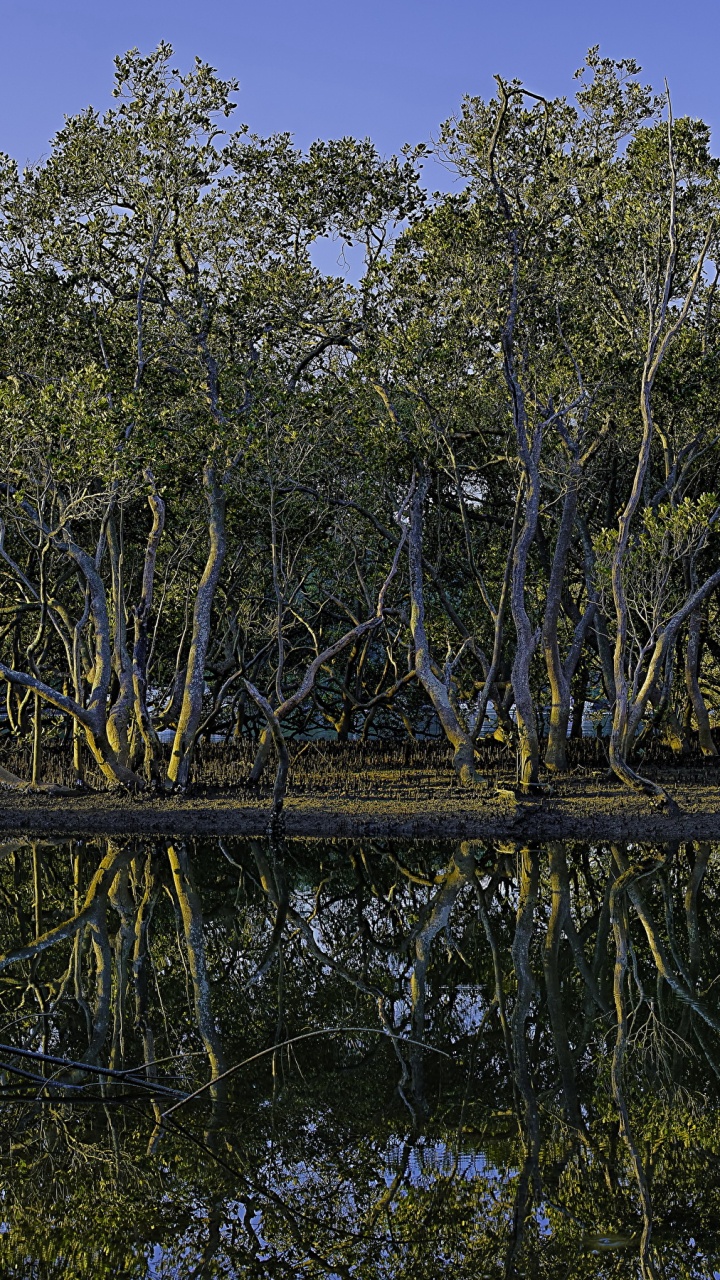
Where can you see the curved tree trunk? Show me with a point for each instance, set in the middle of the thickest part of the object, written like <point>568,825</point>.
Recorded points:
<point>94,715</point>
<point>438,693</point>
<point>275,730</point>
<point>304,689</point>
<point>192,703</point>
<point>661,335</point>
<point>191,915</point>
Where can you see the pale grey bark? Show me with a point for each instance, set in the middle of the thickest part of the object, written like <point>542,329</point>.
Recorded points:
<point>141,616</point>
<point>93,716</point>
<point>118,720</point>
<point>629,710</point>
<point>527,636</point>
<point>490,689</point>
<point>192,703</point>
<point>437,690</point>
<point>650,688</point>
<point>560,673</point>
<point>556,754</point>
<point>528,439</point>
<point>282,752</point>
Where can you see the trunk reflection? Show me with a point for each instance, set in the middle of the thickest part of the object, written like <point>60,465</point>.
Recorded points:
<point>326,1058</point>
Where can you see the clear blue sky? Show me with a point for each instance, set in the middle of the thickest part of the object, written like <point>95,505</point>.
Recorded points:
<point>391,69</point>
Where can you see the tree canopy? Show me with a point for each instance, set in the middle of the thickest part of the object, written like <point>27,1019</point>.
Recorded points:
<point>459,492</point>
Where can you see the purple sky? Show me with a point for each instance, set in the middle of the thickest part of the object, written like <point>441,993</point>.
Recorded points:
<point>391,69</point>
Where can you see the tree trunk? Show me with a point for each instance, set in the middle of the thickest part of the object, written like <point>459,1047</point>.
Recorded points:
<point>661,335</point>
<point>141,615</point>
<point>119,715</point>
<point>192,703</point>
<point>37,740</point>
<point>579,698</point>
<point>439,695</point>
<point>556,752</point>
<point>94,715</point>
<point>283,758</point>
<point>633,712</point>
<point>296,699</point>
<point>527,638</point>
<point>692,669</point>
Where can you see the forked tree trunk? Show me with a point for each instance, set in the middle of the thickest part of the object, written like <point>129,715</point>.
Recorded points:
<point>352,637</point>
<point>94,715</point>
<point>628,710</point>
<point>635,710</point>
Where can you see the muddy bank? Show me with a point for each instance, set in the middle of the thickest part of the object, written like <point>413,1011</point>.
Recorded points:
<point>581,807</point>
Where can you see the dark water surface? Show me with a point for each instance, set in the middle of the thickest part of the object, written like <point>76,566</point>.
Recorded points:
<point>359,1059</point>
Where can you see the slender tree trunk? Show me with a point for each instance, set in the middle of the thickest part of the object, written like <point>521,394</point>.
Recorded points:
<point>661,335</point>
<point>692,670</point>
<point>526,637</point>
<point>653,681</point>
<point>457,735</point>
<point>556,751</point>
<point>192,703</point>
<point>141,616</point>
<point>490,687</point>
<point>37,740</point>
<point>621,737</point>
<point>78,763</point>
<point>118,720</point>
<point>579,697</point>
<point>283,767</point>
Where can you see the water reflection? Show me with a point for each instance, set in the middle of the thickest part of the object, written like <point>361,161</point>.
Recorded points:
<point>245,1058</point>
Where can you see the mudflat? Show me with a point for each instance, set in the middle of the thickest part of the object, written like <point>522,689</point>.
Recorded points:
<point>423,804</point>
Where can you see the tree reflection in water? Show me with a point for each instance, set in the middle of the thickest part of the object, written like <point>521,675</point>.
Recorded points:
<point>230,1058</point>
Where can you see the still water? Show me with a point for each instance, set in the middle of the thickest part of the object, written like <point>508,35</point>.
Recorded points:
<point>232,1058</point>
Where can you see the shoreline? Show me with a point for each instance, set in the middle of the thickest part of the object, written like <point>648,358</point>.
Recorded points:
<point>602,813</point>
